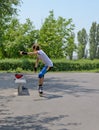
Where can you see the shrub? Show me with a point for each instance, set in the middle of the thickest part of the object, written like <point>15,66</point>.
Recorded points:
<point>59,65</point>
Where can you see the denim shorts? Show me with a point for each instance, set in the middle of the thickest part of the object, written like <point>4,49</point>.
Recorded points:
<point>43,71</point>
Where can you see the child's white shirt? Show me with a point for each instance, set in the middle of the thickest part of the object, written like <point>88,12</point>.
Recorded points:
<point>45,59</point>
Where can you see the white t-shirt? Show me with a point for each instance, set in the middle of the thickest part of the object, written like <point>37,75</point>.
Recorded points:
<point>45,59</point>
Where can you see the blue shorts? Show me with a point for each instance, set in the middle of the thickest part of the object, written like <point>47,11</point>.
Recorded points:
<point>43,71</point>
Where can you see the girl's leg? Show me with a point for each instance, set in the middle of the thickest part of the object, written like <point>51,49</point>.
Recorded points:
<point>40,89</point>
<point>42,73</point>
<point>41,78</point>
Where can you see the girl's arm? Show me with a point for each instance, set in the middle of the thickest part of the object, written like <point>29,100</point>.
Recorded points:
<point>28,53</point>
<point>36,64</point>
<point>32,53</point>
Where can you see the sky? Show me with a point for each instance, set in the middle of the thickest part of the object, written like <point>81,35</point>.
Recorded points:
<point>82,12</point>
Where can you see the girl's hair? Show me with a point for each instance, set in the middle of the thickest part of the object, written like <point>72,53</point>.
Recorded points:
<point>36,46</point>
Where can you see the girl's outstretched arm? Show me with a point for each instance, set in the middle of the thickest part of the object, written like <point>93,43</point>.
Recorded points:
<point>28,53</point>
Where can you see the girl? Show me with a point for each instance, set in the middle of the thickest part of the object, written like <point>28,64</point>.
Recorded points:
<point>48,64</point>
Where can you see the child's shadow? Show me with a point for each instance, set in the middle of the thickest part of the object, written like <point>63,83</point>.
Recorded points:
<point>48,96</point>
<point>51,96</point>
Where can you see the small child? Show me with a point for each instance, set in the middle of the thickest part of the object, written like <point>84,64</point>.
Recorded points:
<point>48,64</point>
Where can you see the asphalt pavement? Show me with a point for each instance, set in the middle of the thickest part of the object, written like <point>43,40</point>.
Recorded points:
<point>70,102</point>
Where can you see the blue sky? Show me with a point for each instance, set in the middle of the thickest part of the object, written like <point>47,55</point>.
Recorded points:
<point>82,12</point>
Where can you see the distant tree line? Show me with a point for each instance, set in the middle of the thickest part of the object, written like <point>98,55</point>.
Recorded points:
<point>91,41</point>
<point>56,36</point>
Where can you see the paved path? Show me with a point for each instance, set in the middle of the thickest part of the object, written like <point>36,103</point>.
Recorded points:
<point>71,102</point>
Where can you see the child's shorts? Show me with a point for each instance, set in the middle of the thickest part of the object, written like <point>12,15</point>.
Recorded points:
<point>43,71</point>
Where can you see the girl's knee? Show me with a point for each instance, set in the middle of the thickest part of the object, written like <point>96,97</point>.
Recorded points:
<point>40,75</point>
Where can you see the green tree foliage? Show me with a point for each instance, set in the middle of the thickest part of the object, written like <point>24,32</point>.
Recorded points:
<point>70,47</point>
<point>54,35</point>
<point>7,10</point>
<point>19,37</point>
<point>93,40</point>
<point>8,7</point>
<point>97,42</point>
<point>82,42</point>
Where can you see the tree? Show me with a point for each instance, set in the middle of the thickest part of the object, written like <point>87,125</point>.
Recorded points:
<point>97,42</point>
<point>7,11</point>
<point>19,37</point>
<point>82,42</point>
<point>68,44</point>
<point>70,47</point>
<point>93,40</point>
<point>54,34</point>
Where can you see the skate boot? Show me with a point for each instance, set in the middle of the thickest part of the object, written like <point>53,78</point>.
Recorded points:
<point>40,90</point>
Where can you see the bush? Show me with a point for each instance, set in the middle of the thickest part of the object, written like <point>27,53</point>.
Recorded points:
<point>59,65</point>
<point>79,65</point>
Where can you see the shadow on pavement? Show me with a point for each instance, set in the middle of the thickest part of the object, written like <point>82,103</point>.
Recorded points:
<point>56,87</point>
<point>51,84</point>
<point>34,122</point>
<point>68,87</point>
